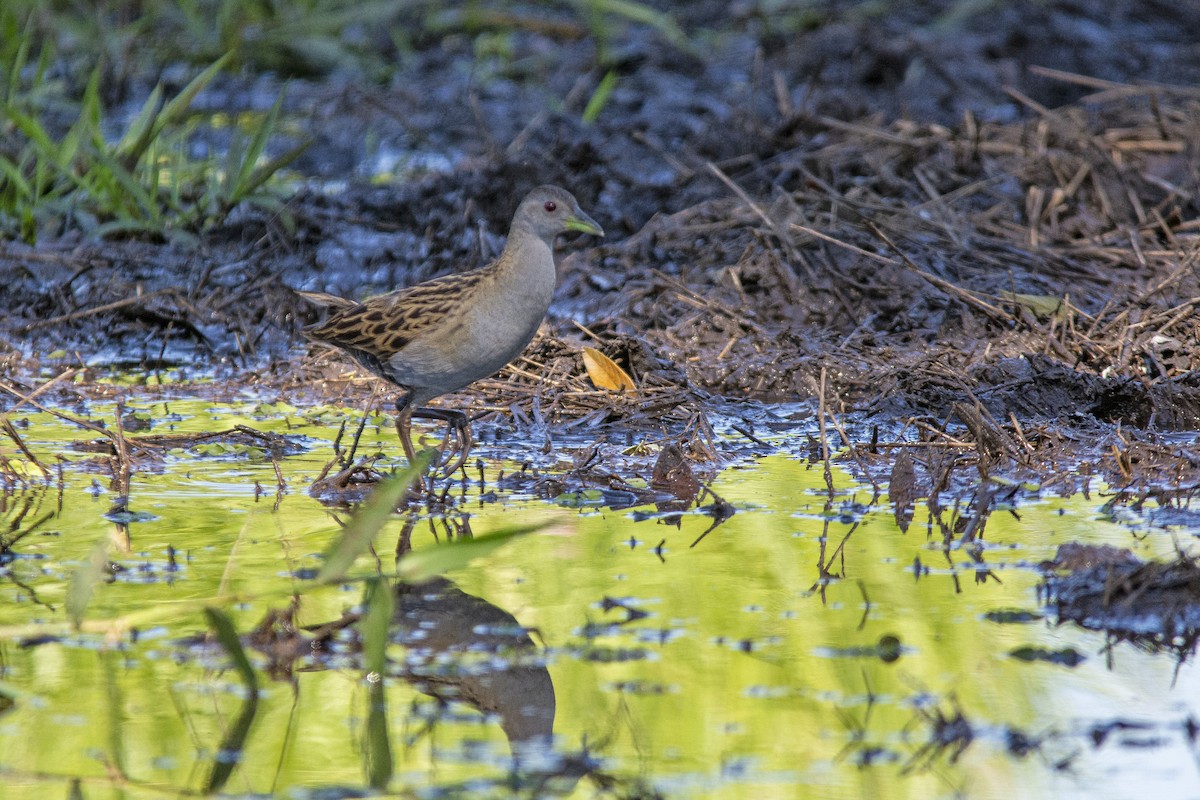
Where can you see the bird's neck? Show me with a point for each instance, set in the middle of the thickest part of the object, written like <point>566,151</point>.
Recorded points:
<point>528,258</point>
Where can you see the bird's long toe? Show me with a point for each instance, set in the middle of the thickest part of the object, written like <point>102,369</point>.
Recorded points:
<point>462,448</point>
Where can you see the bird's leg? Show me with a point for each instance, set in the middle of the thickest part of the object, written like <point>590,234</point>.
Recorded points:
<point>404,414</point>
<point>466,440</point>
<point>456,422</point>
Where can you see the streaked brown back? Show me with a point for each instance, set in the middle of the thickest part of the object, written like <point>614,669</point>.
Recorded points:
<point>383,325</point>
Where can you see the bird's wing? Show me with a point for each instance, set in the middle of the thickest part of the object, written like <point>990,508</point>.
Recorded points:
<point>381,326</point>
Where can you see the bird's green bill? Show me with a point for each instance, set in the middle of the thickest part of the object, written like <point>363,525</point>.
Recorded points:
<point>579,221</point>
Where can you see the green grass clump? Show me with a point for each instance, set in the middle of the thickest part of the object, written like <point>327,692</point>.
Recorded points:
<point>57,175</point>
<point>68,163</point>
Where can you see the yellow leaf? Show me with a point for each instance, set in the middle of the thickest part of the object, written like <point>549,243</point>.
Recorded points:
<point>604,372</point>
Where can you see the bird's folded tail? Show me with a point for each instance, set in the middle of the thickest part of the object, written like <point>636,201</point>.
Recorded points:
<point>330,302</point>
<point>326,300</point>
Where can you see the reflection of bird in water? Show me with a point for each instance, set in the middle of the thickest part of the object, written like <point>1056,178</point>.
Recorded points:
<point>494,665</point>
<point>443,335</point>
<point>459,649</point>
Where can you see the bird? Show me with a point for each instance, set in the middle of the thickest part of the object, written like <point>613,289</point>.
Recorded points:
<point>442,335</point>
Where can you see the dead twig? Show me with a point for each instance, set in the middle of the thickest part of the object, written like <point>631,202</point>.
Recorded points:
<point>92,311</point>
<point>16,438</point>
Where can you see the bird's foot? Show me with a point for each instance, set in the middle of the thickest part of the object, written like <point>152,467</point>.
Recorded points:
<point>458,427</point>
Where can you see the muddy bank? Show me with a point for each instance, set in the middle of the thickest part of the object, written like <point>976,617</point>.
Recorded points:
<point>916,212</point>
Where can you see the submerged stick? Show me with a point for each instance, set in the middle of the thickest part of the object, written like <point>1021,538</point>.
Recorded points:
<point>824,436</point>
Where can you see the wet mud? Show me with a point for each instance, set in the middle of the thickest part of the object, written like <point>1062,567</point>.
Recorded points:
<point>1033,254</point>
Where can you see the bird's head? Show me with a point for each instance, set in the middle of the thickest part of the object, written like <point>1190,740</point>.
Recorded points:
<point>548,211</point>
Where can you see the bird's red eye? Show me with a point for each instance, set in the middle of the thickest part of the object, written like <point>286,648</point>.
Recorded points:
<point>550,206</point>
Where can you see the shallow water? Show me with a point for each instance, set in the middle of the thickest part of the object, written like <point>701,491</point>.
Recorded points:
<point>740,667</point>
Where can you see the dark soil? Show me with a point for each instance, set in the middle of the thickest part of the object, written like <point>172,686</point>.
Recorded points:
<point>967,227</point>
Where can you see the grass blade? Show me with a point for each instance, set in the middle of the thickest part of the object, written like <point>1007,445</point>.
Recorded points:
<point>377,747</point>
<point>264,173</point>
<point>374,513</point>
<point>149,125</point>
<point>20,186</point>
<point>141,131</point>
<point>84,579</point>
<point>108,178</point>
<point>33,131</point>
<point>234,741</point>
<point>637,12</point>
<point>421,565</point>
<point>599,97</point>
<point>375,625</point>
<point>178,106</point>
<point>20,57</point>
<point>379,603</point>
<point>227,636</point>
<point>252,153</point>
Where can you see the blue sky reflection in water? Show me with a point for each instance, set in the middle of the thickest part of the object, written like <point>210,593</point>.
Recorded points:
<point>750,665</point>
